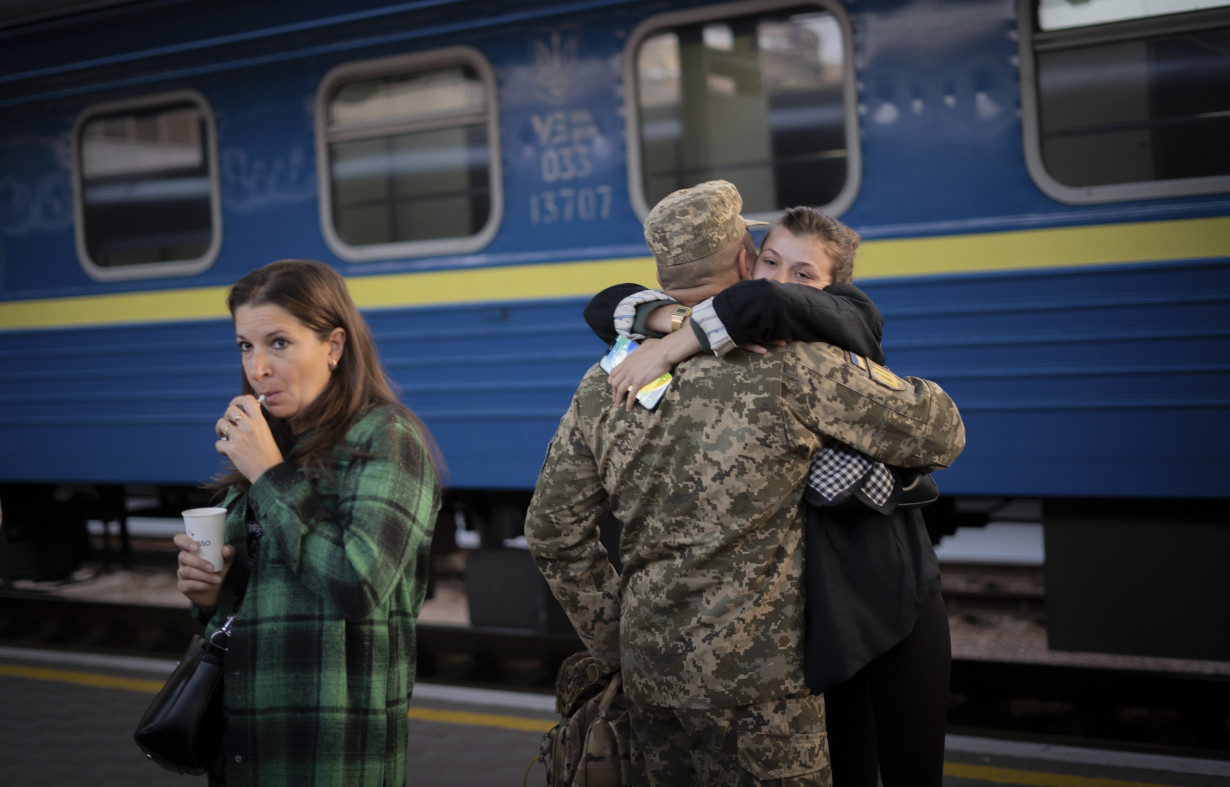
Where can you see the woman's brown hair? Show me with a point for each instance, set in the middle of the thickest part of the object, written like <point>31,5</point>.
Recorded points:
<point>316,295</point>
<point>841,241</point>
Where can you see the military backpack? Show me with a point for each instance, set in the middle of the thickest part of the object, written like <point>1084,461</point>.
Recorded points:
<point>589,745</point>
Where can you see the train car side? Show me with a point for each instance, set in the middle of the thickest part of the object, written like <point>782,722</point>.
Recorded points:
<point>1080,320</point>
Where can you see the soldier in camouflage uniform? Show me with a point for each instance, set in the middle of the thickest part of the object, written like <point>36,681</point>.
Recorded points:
<point>706,620</point>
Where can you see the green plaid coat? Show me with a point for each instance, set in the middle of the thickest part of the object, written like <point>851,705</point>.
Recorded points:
<point>322,653</point>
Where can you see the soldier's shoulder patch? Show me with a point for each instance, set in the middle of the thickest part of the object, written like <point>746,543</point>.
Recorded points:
<point>886,378</point>
<point>876,372</point>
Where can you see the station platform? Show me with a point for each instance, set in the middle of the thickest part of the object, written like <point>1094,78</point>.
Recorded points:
<point>67,719</point>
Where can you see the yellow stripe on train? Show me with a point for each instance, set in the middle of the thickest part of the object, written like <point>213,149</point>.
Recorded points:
<point>1109,244</point>
<point>470,285</point>
<point>1061,247</point>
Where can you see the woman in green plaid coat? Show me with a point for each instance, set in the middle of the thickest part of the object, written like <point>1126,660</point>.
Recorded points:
<point>331,501</point>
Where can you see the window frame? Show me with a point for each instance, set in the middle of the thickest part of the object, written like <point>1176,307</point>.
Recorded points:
<point>157,270</point>
<point>401,64</point>
<point>854,162</point>
<point>1133,29</point>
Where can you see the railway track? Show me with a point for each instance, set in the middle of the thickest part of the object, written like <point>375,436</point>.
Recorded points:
<point>485,655</point>
<point>988,586</point>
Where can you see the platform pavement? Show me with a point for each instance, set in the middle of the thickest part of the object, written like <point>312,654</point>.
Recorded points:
<point>63,725</point>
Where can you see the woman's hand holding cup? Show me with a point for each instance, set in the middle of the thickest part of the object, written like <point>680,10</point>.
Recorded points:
<point>198,579</point>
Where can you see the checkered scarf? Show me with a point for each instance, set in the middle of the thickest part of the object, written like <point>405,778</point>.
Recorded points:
<point>839,471</point>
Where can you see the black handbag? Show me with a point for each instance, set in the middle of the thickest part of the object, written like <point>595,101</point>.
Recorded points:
<point>181,729</point>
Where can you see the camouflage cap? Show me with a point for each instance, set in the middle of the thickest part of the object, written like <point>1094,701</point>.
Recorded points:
<point>692,223</point>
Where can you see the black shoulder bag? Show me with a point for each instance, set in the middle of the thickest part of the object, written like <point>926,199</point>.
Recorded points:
<point>181,729</point>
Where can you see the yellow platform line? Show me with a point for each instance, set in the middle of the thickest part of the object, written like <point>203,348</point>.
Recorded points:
<point>97,681</point>
<point>519,723</point>
<point>1022,778</point>
<point>92,679</point>
<point>958,770</point>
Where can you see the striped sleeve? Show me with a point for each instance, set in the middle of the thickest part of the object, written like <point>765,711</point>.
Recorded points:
<point>626,311</point>
<point>705,318</point>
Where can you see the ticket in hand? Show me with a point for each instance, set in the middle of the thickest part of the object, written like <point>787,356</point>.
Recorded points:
<point>652,393</point>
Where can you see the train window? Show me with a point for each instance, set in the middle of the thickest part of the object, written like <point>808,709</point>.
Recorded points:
<point>758,94</point>
<point>1059,14</point>
<point>1124,106</point>
<point>409,155</point>
<point>147,195</point>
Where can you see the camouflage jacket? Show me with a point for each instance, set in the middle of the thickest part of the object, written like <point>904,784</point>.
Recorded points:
<point>708,611</point>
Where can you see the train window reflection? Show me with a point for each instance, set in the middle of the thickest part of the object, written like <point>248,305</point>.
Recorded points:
<point>1128,110</point>
<point>407,147</point>
<point>147,188</point>
<point>764,100</point>
<point>1058,14</point>
<point>421,95</point>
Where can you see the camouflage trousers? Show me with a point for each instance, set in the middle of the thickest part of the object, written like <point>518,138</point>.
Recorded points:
<point>776,743</point>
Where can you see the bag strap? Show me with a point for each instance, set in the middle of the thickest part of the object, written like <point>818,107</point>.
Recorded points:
<point>608,694</point>
<point>525,779</point>
<point>225,631</point>
<point>254,535</point>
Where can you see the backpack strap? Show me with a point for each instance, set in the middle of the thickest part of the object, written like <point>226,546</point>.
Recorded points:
<point>610,692</point>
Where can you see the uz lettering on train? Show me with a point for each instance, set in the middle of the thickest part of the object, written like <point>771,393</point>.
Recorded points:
<point>1042,188</point>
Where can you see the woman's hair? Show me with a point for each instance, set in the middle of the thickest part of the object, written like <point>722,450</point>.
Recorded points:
<point>841,241</point>
<point>316,295</point>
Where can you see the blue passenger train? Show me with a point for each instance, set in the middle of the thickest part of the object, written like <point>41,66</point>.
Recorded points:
<point>1042,188</point>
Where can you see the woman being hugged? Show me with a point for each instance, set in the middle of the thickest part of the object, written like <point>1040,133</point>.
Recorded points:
<point>331,497</point>
<point>876,640</point>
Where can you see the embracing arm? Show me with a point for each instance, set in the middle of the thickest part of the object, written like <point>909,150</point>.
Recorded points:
<point>355,544</point>
<point>744,314</point>
<point>904,421</point>
<point>623,309</point>
<point>751,311</point>
<point>561,528</point>
<point>841,314</point>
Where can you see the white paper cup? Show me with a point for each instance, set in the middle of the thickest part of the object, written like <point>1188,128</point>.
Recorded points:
<point>207,527</point>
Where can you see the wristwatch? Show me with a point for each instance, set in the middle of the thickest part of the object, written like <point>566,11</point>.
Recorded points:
<point>678,315</point>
